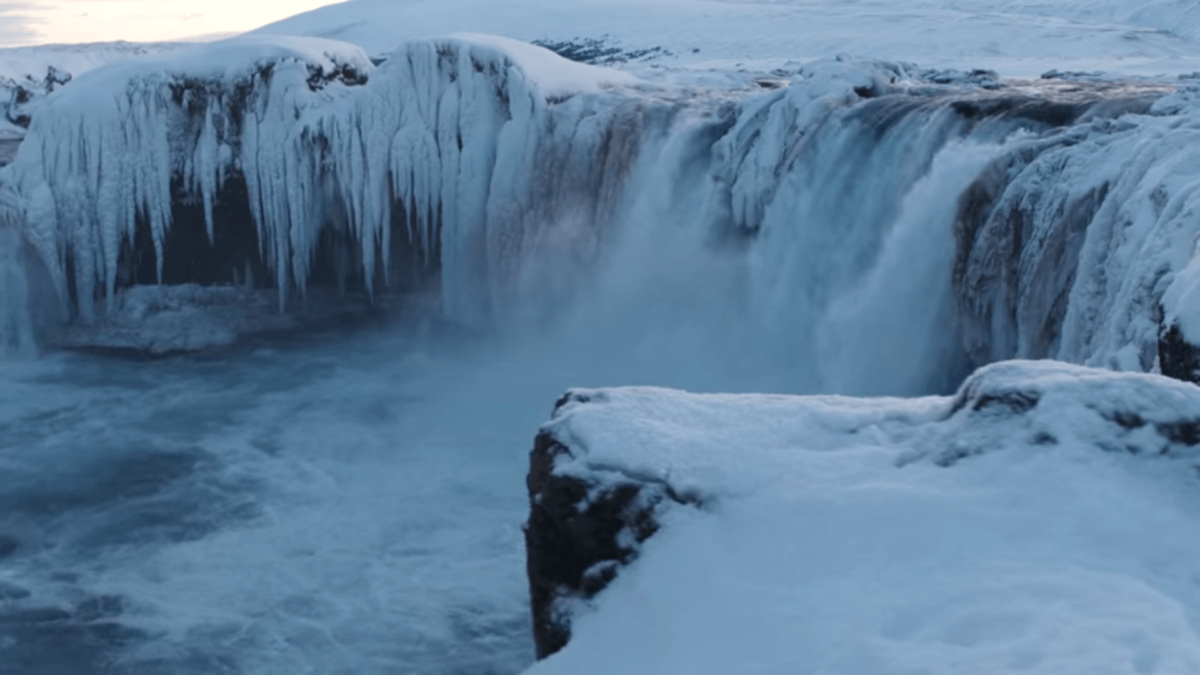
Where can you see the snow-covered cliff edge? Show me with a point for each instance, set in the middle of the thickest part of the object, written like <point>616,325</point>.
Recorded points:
<point>1040,516</point>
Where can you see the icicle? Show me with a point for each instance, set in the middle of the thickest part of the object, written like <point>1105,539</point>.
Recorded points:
<point>206,163</point>
<point>426,132</point>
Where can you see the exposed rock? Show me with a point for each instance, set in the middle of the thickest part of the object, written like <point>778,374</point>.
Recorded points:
<point>579,533</point>
<point>1177,357</point>
<point>26,94</point>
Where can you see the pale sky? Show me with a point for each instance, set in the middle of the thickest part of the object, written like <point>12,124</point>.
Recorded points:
<point>26,22</point>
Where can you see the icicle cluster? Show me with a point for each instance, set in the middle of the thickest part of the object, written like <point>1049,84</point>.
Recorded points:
<point>446,134</point>
<point>102,155</point>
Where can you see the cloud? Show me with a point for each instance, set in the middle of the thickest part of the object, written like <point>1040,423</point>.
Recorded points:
<point>17,26</point>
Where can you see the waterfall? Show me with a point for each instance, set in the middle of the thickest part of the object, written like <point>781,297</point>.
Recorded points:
<point>865,229</point>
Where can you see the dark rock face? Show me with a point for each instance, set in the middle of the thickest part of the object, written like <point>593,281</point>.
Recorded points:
<point>580,532</point>
<point>1177,357</point>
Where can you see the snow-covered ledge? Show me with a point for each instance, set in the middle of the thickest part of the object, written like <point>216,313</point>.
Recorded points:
<point>1044,515</point>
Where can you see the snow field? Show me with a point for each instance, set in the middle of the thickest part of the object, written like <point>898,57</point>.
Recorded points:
<point>1019,38</point>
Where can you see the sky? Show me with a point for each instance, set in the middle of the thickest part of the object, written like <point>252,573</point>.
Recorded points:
<point>28,22</point>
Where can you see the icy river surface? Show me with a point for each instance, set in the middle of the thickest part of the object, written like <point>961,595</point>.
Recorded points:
<point>344,501</point>
<point>334,504</point>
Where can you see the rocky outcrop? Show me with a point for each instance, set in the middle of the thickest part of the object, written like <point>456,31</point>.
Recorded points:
<point>580,532</point>
<point>27,94</point>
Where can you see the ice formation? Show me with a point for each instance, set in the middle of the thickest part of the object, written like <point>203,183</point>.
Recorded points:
<point>1073,253</point>
<point>858,193</point>
<point>439,140</point>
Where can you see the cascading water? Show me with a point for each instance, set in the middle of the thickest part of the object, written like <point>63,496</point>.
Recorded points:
<point>16,323</point>
<point>351,503</point>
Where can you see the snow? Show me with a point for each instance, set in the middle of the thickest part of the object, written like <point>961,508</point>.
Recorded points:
<point>29,67</point>
<point>1020,38</point>
<point>854,536</point>
<point>554,75</point>
<point>18,63</point>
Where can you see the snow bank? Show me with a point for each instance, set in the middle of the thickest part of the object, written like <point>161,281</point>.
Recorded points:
<point>554,75</point>
<point>854,536</point>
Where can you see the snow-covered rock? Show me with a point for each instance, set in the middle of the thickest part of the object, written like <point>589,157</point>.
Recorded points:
<point>580,532</point>
<point>28,74</point>
<point>1019,525</point>
<point>25,95</point>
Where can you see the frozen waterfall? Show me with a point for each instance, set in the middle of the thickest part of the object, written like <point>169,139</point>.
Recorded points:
<point>866,228</point>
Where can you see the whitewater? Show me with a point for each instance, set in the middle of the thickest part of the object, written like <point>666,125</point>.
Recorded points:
<point>319,466</point>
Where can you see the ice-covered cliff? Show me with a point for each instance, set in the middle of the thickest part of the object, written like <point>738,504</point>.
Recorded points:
<point>278,152</point>
<point>871,227</point>
<point>1071,253</point>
